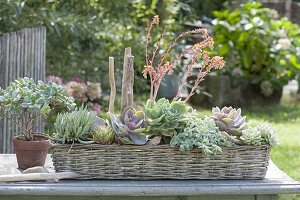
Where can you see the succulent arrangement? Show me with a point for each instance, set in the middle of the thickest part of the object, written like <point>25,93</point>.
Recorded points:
<point>162,121</point>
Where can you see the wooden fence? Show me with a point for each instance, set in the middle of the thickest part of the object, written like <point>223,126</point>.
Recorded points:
<point>22,54</point>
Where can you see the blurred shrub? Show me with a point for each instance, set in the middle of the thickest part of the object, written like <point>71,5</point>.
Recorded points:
<point>257,46</point>
<point>82,34</point>
<point>87,93</point>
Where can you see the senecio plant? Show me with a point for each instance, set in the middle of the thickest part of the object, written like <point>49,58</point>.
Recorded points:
<point>74,126</point>
<point>82,126</point>
<point>24,101</point>
<point>203,134</point>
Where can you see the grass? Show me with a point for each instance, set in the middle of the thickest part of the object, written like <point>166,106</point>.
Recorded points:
<point>285,119</point>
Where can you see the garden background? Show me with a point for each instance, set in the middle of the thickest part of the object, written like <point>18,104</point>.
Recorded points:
<point>261,49</point>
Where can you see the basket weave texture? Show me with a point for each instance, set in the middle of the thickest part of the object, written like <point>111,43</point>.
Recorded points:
<point>94,161</point>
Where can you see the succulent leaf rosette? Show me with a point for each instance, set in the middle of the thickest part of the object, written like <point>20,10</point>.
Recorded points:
<point>129,127</point>
<point>103,134</point>
<point>230,120</point>
<point>166,117</point>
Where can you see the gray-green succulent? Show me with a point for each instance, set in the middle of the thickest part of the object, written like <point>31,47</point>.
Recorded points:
<point>259,134</point>
<point>268,134</point>
<point>25,97</point>
<point>251,136</point>
<point>130,126</point>
<point>203,134</point>
<point>230,120</point>
<point>75,126</point>
<point>165,117</point>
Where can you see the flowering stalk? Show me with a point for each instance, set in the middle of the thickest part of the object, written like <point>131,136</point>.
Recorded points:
<point>161,68</point>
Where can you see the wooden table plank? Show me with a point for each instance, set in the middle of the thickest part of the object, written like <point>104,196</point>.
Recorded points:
<point>276,182</point>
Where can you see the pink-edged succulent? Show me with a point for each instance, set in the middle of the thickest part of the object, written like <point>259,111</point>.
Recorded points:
<point>230,120</point>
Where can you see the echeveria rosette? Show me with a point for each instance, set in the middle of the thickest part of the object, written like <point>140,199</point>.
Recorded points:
<point>165,117</point>
<point>130,126</point>
<point>230,120</point>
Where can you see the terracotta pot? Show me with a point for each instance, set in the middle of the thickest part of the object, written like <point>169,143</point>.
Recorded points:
<point>31,153</point>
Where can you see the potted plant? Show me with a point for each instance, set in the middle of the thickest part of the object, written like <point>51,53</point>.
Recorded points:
<point>24,102</point>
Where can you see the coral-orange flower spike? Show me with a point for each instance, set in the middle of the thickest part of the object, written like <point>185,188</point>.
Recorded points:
<point>217,62</point>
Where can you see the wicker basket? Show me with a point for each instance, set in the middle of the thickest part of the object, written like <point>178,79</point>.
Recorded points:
<point>96,161</point>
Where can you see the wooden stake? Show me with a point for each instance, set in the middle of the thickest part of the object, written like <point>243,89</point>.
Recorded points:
<point>124,96</point>
<point>130,80</point>
<point>112,84</point>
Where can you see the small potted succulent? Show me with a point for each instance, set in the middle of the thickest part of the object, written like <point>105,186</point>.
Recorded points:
<point>24,102</point>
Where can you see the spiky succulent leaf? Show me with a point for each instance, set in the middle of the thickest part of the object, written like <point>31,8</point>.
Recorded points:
<point>75,126</point>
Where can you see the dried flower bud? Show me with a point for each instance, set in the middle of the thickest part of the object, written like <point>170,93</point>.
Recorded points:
<point>155,19</point>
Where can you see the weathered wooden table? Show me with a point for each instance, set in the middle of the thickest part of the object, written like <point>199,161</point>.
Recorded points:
<point>276,182</point>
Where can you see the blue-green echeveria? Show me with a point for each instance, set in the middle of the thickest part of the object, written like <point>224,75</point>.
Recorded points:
<point>129,127</point>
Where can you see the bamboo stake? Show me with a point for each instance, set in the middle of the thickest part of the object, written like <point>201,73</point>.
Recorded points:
<point>124,96</point>
<point>112,84</point>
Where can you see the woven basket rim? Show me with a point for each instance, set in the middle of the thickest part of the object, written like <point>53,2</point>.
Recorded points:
<point>163,146</point>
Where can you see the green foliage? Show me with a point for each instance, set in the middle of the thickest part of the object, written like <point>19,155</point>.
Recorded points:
<point>166,117</point>
<point>257,46</point>
<point>81,35</point>
<point>24,98</point>
<point>103,134</point>
<point>129,127</point>
<point>199,133</point>
<point>201,8</point>
<point>230,120</point>
<point>75,126</point>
